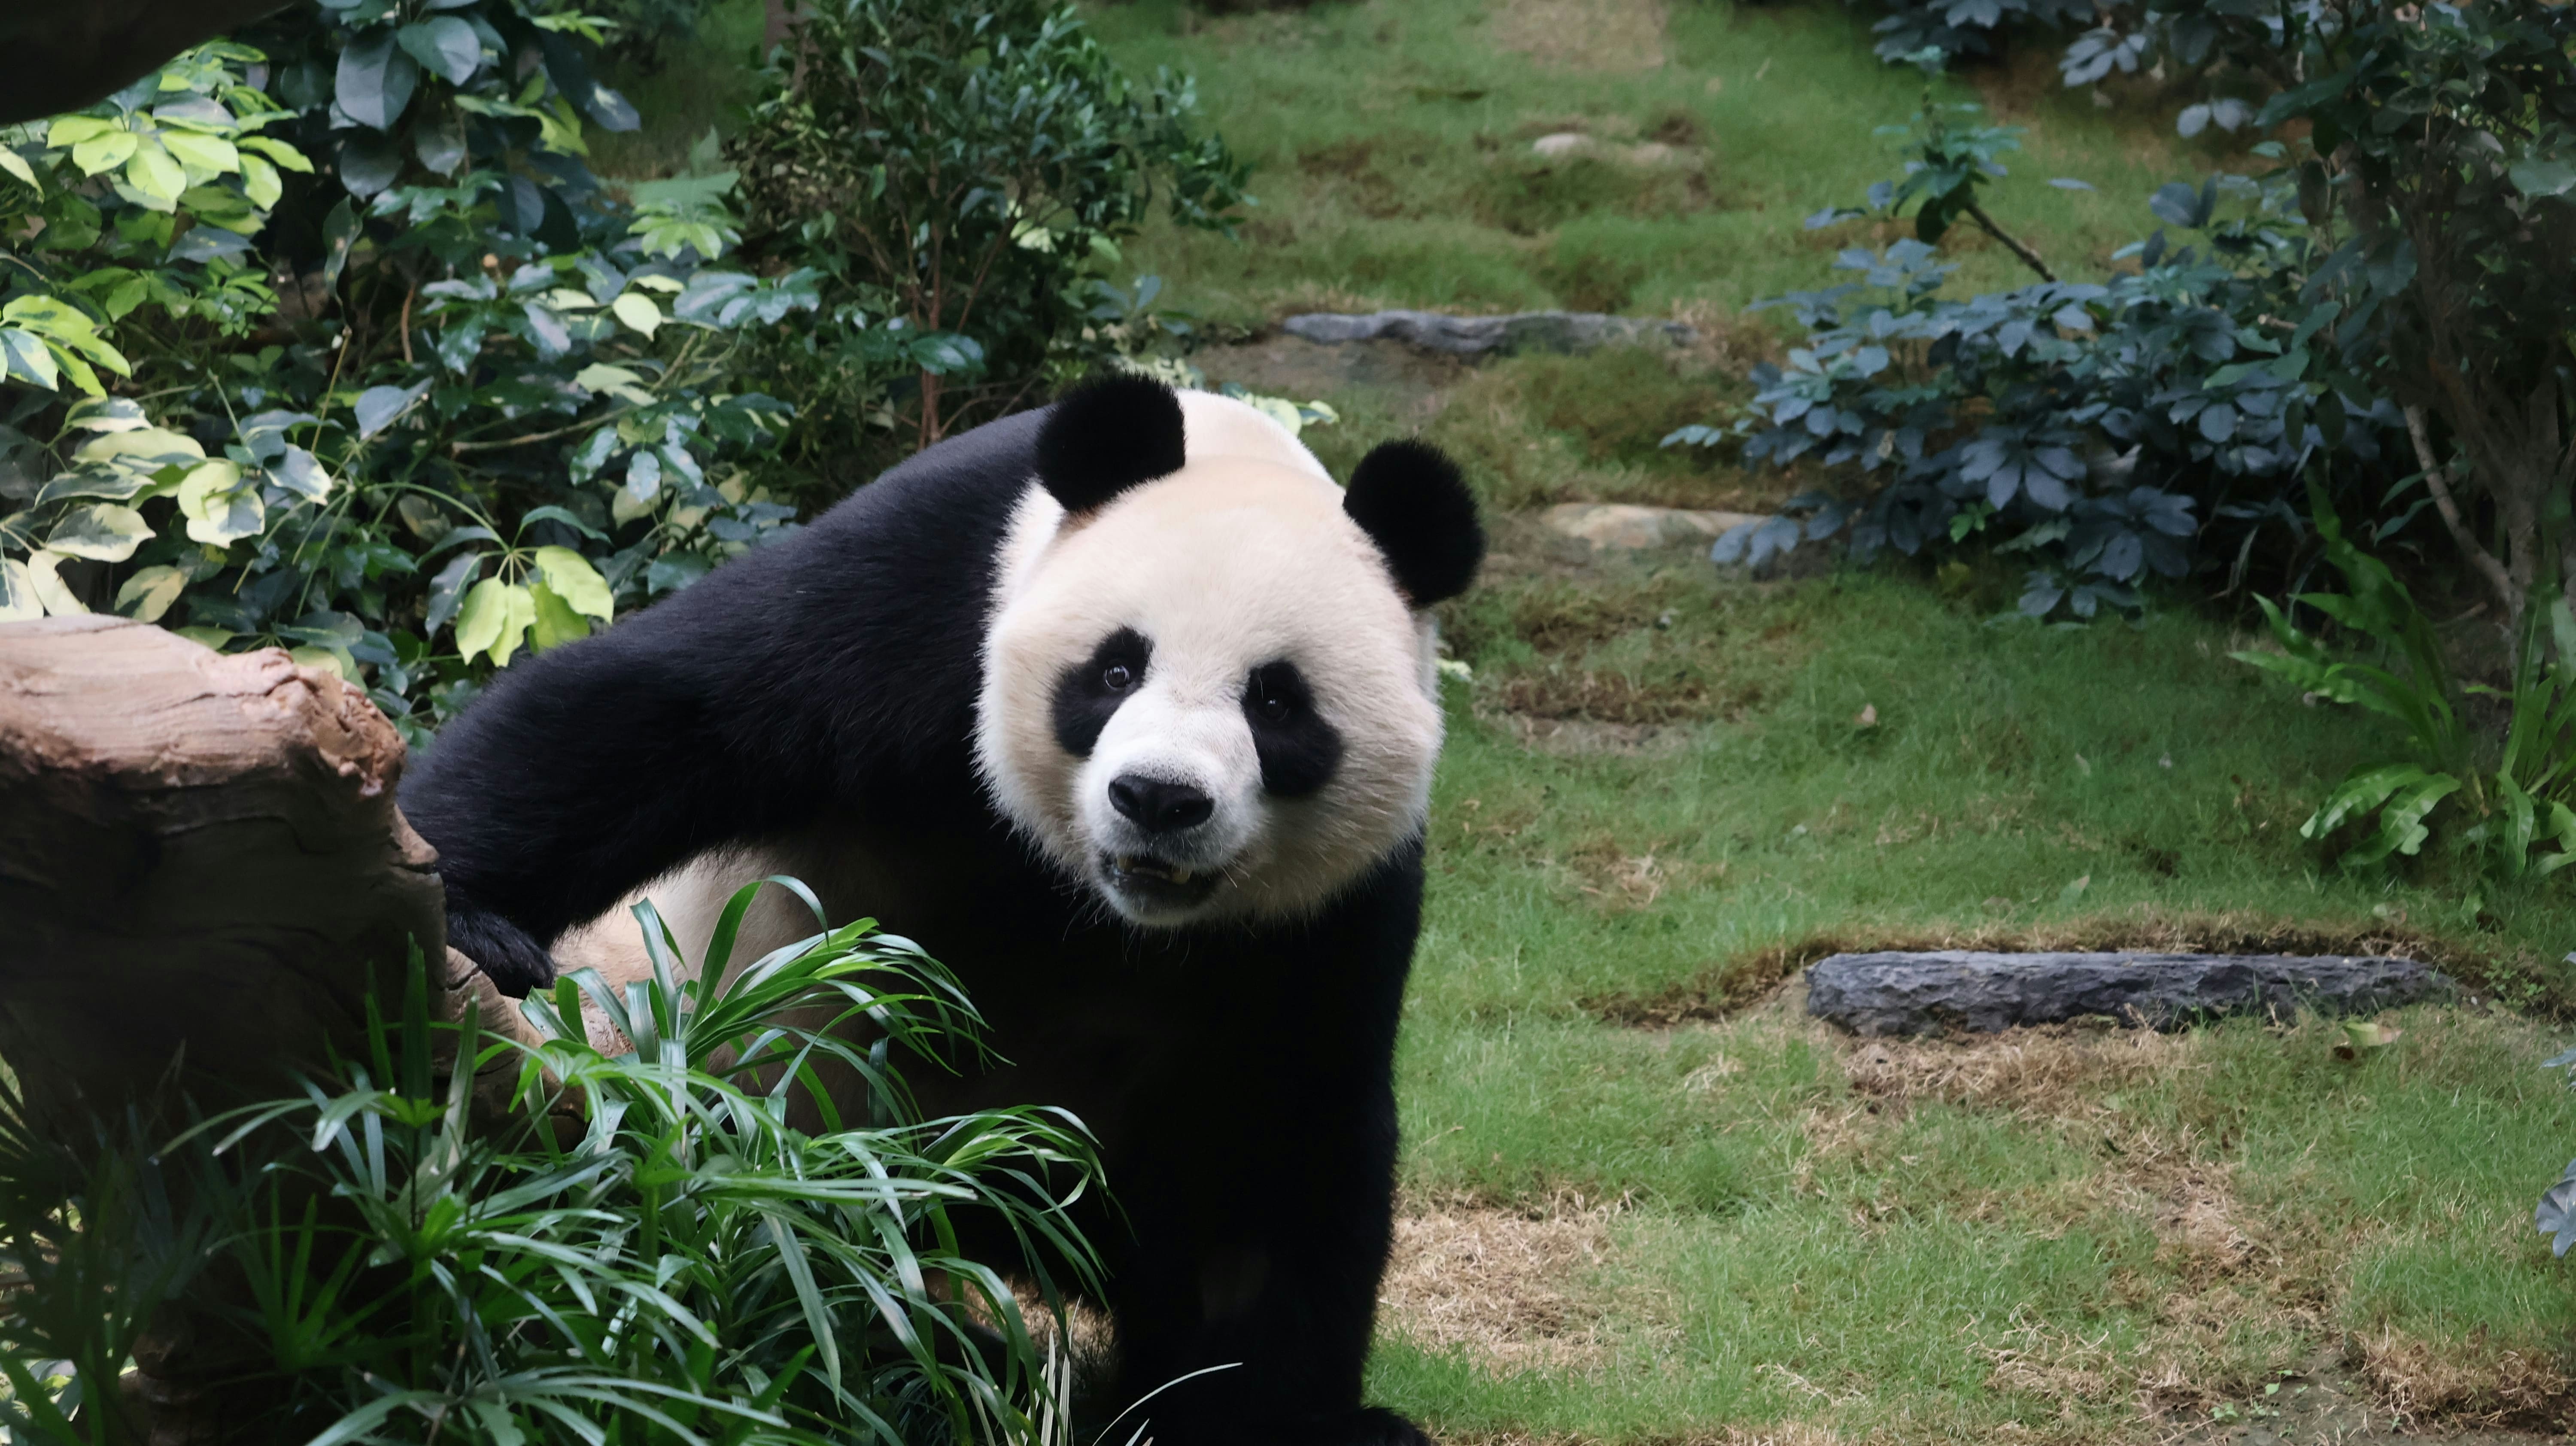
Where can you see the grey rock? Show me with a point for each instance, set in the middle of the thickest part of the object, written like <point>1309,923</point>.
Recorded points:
<point>1908,993</point>
<point>1562,331</point>
<point>1623,525</point>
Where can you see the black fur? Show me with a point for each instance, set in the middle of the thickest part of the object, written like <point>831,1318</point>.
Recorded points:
<point>1412,502</point>
<point>1297,748</point>
<point>1091,692</point>
<point>822,690</point>
<point>1108,435</point>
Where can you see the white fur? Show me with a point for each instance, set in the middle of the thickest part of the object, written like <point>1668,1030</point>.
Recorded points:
<point>1242,557</point>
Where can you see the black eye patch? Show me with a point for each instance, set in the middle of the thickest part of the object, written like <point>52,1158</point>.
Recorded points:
<point>1090,692</point>
<point>1297,748</point>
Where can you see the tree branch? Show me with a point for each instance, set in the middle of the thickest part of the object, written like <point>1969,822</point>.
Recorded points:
<point>2028,257</point>
<point>2437,480</point>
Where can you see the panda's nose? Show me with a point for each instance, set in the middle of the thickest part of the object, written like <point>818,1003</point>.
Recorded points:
<point>1157,806</point>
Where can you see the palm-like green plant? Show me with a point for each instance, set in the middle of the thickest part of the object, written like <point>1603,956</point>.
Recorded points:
<point>2516,794</point>
<point>679,1241</point>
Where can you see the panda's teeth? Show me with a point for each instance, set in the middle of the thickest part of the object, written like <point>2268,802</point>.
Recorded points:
<point>1180,876</point>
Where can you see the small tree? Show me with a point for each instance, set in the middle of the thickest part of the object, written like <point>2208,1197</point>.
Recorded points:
<point>2444,141</point>
<point>959,167</point>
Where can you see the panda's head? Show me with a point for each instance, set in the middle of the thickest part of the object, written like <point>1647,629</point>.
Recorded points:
<point>1210,688</point>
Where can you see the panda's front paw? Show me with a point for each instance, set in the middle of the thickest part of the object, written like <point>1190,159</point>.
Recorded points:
<point>515,963</point>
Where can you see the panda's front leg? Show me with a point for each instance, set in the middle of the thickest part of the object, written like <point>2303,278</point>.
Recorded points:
<point>1254,1262</point>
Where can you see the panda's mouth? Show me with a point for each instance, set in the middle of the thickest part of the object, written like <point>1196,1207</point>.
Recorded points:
<point>1157,883</point>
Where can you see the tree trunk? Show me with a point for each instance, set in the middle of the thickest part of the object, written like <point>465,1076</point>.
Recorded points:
<point>202,870</point>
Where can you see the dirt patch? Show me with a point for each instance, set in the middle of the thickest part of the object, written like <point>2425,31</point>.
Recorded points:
<point>1733,983</point>
<point>2334,1399</point>
<point>1623,700</point>
<point>1498,1285</point>
<point>1593,35</point>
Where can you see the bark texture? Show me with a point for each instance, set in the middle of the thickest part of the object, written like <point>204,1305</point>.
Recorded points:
<point>1929,993</point>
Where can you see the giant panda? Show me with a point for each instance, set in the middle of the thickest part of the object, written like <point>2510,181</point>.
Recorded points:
<point>1128,713</point>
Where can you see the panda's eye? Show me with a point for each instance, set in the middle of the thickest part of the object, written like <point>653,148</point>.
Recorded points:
<point>1275,694</point>
<point>1117,678</point>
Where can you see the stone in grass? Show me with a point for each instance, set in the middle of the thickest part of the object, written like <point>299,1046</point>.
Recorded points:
<point>1559,331</point>
<point>1927,993</point>
<point>1627,526</point>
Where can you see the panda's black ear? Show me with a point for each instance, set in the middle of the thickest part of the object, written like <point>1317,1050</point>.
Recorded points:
<point>1107,435</point>
<point>1412,502</point>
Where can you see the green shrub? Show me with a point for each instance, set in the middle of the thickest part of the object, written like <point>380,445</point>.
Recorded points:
<point>683,1241</point>
<point>959,176</point>
<point>2109,430</point>
<point>411,396</point>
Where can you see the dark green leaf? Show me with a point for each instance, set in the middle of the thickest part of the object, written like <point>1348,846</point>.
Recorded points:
<point>444,45</point>
<point>375,80</point>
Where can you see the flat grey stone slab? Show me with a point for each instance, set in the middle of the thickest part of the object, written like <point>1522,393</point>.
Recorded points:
<point>1928,993</point>
<point>1566,331</point>
<point>1625,525</point>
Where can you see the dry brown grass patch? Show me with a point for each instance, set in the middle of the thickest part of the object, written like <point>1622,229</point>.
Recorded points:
<point>2466,1383</point>
<point>1499,1285</point>
<point>2035,1359</point>
<point>2048,1072</point>
<point>1618,878</point>
<point>1596,35</point>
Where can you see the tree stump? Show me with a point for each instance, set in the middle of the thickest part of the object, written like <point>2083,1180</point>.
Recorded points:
<point>202,871</point>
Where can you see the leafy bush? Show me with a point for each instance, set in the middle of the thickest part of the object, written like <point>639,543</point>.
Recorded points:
<point>2099,427</point>
<point>464,405</point>
<point>2393,275</point>
<point>2223,50</point>
<point>958,176</point>
<point>679,1241</point>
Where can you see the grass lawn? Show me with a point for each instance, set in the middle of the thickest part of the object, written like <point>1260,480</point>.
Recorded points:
<point>1647,1200</point>
<point>1654,1202</point>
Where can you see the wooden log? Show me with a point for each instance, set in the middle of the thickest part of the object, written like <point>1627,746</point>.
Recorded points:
<point>202,870</point>
<point>1958,989</point>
